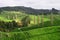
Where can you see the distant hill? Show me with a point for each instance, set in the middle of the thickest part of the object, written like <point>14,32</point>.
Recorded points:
<point>28,10</point>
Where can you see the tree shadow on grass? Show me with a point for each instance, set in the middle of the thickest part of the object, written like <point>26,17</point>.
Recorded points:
<point>56,23</point>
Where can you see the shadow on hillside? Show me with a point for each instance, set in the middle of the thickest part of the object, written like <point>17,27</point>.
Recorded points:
<point>56,22</point>
<point>48,23</point>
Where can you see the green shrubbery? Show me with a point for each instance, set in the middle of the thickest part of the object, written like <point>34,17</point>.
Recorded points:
<point>8,26</point>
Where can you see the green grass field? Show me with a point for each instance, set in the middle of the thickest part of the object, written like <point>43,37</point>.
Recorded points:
<point>34,32</point>
<point>47,33</point>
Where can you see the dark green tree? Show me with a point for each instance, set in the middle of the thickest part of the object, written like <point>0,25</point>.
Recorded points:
<point>26,20</point>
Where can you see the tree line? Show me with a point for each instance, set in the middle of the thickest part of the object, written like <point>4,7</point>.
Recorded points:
<point>8,26</point>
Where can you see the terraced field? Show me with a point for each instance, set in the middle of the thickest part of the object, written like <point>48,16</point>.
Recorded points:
<point>47,33</point>
<point>32,32</point>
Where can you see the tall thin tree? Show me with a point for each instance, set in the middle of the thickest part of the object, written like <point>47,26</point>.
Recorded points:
<point>38,19</point>
<point>42,19</point>
<point>52,17</point>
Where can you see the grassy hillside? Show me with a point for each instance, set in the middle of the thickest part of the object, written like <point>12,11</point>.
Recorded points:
<point>32,32</point>
<point>48,33</point>
<point>16,15</point>
<point>10,15</point>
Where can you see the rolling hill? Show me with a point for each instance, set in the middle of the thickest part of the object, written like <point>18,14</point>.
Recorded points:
<point>34,31</point>
<point>29,10</point>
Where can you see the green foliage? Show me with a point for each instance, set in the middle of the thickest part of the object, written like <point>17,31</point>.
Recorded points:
<point>8,25</point>
<point>26,21</point>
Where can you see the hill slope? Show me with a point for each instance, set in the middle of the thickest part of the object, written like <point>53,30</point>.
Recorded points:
<point>28,10</point>
<point>48,33</point>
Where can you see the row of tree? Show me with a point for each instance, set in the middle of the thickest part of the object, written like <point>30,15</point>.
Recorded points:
<point>8,26</point>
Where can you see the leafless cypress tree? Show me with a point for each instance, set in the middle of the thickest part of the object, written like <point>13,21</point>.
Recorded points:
<point>29,17</point>
<point>8,23</point>
<point>15,16</point>
<point>8,17</point>
<point>34,19</point>
<point>51,18</point>
<point>42,19</point>
<point>38,19</point>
